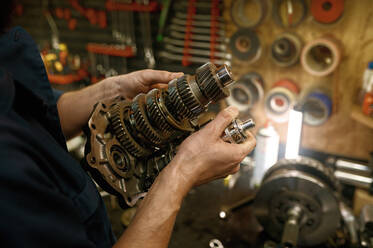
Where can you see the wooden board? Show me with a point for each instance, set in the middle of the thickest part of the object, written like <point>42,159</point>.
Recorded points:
<point>341,134</point>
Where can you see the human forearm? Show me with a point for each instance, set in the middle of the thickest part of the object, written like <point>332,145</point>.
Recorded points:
<point>74,108</point>
<point>155,218</point>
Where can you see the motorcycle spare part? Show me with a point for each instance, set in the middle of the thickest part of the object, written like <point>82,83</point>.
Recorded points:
<point>327,11</point>
<point>289,13</point>
<point>297,203</point>
<point>286,49</point>
<point>130,142</point>
<point>236,131</point>
<point>248,20</point>
<point>280,99</point>
<point>245,45</point>
<point>321,57</point>
<point>246,92</point>
<point>316,108</point>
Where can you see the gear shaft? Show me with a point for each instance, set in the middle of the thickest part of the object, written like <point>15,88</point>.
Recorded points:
<point>130,142</point>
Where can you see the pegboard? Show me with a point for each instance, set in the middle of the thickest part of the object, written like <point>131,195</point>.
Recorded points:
<point>340,134</point>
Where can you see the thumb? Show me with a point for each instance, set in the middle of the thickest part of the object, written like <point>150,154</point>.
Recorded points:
<point>223,119</point>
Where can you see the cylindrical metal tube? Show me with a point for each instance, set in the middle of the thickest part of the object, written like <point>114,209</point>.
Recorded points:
<point>353,179</point>
<point>341,164</point>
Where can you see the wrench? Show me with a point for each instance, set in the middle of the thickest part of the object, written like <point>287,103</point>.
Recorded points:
<point>197,44</point>
<point>207,53</point>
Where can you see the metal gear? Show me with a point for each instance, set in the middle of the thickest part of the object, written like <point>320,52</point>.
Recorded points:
<point>296,203</point>
<point>207,80</point>
<point>121,132</point>
<point>175,103</point>
<point>142,122</point>
<point>132,141</point>
<point>190,100</point>
<point>307,165</point>
<point>157,118</point>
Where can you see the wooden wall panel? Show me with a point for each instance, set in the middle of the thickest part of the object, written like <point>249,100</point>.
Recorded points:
<point>341,134</point>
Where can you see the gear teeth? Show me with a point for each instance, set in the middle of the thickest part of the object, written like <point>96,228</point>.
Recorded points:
<point>204,72</point>
<point>213,91</point>
<point>205,77</point>
<point>188,98</point>
<point>156,114</point>
<point>176,104</point>
<point>142,122</point>
<point>122,134</point>
<point>307,165</point>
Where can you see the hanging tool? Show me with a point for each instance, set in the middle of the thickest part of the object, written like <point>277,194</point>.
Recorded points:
<point>147,35</point>
<point>162,18</point>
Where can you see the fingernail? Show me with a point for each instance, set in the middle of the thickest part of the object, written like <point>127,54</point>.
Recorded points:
<point>177,74</point>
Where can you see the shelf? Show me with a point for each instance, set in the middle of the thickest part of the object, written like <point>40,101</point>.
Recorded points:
<point>358,116</point>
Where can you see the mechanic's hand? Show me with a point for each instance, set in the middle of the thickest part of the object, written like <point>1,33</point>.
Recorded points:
<point>204,156</point>
<point>130,85</point>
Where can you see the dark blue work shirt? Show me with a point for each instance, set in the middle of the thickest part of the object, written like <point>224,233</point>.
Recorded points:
<point>47,199</point>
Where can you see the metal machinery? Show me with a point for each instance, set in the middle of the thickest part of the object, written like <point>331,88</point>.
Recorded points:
<point>130,142</point>
<point>298,202</point>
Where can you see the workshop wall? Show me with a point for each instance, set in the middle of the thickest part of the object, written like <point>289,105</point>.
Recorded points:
<point>346,132</point>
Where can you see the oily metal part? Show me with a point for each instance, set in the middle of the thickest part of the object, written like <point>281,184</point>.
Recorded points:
<point>296,195</point>
<point>286,49</point>
<point>236,131</point>
<point>130,142</point>
<point>241,19</point>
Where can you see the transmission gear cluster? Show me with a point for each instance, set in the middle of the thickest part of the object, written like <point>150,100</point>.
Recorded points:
<point>130,142</point>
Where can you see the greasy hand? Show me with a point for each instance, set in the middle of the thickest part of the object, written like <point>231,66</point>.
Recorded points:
<point>204,156</point>
<point>130,85</point>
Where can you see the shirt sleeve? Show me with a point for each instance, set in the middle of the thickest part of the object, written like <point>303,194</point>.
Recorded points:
<point>57,94</point>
